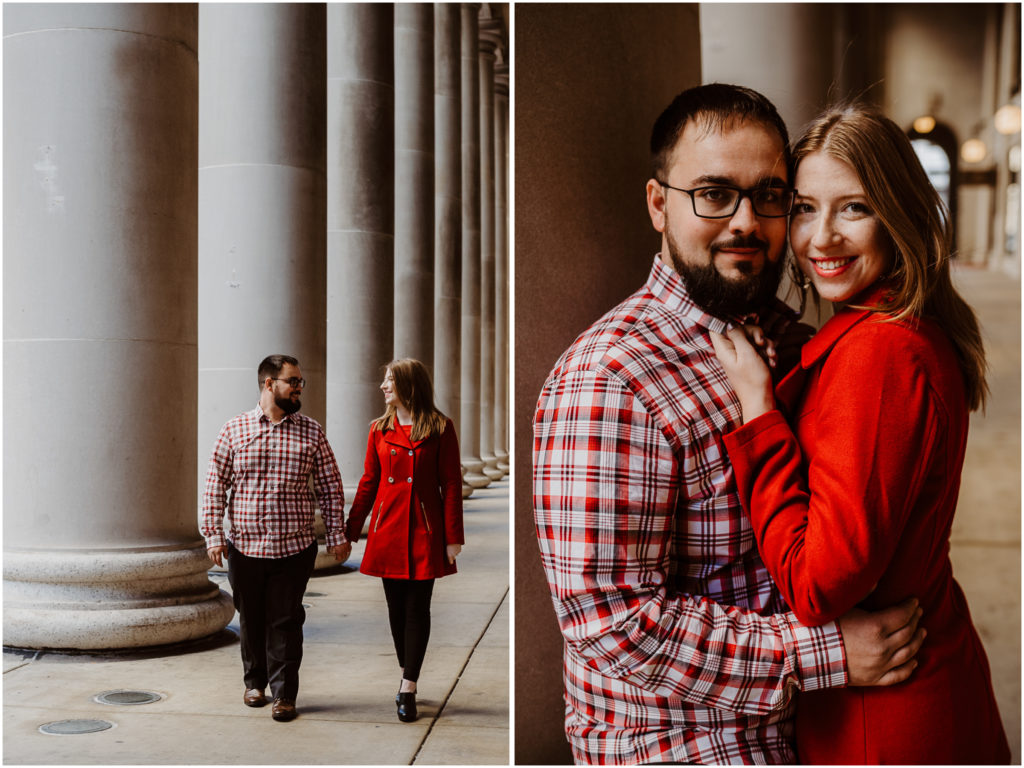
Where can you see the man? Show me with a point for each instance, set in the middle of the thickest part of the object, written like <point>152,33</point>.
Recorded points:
<point>678,648</point>
<point>259,472</point>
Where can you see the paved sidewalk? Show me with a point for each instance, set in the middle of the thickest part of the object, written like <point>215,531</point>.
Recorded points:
<point>349,679</point>
<point>985,542</point>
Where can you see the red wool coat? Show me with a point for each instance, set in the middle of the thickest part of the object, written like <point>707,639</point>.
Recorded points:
<point>860,491</point>
<point>412,492</point>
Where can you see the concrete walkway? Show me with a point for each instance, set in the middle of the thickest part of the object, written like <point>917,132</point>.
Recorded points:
<point>349,679</point>
<point>985,543</point>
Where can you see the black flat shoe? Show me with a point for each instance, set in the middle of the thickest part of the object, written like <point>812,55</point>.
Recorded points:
<point>407,706</point>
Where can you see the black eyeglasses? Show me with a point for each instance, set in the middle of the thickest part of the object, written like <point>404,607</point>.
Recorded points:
<point>722,202</point>
<point>293,382</point>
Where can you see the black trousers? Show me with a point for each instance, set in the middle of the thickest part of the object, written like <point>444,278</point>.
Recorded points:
<point>409,615</point>
<point>268,597</point>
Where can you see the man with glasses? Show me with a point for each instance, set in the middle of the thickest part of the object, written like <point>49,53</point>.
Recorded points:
<point>678,647</point>
<point>260,473</point>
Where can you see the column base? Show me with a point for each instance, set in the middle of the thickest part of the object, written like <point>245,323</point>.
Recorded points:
<point>490,468</point>
<point>474,472</point>
<point>503,463</point>
<point>110,599</point>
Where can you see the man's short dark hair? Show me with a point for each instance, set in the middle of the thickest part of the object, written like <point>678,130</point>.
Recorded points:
<point>715,105</point>
<point>272,365</point>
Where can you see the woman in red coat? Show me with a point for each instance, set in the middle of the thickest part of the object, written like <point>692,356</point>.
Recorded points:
<point>851,495</point>
<point>411,490</point>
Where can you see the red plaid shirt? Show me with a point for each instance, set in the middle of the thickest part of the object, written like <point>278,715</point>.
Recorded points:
<point>677,646</point>
<point>259,473</point>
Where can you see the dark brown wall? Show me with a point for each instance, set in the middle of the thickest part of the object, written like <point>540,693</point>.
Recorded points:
<point>589,82</point>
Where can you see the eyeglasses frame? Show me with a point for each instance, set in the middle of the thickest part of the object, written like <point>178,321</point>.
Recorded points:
<point>301,382</point>
<point>743,193</point>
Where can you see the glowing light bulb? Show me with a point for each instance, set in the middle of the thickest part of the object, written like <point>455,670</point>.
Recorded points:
<point>973,151</point>
<point>1007,119</point>
<point>924,124</point>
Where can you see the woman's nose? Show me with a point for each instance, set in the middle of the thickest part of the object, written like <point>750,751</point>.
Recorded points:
<point>825,234</point>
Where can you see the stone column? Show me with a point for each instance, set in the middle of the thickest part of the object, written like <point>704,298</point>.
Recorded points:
<point>101,546</point>
<point>470,435</point>
<point>360,223</point>
<point>783,50</point>
<point>414,182</point>
<point>262,204</point>
<point>501,266</point>
<point>448,209</point>
<point>490,36</point>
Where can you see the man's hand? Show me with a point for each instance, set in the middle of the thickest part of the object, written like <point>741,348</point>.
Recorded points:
<point>453,551</point>
<point>341,551</point>
<point>880,646</point>
<point>217,554</point>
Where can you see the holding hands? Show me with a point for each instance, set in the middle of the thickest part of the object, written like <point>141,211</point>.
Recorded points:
<point>341,552</point>
<point>746,354</point>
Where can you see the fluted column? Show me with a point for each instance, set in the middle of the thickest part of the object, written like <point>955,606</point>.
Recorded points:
<point>262,204</point>
<point>360,223</point>
<point>489,38</point>
<point>501,266</point>
<point>470,435</point>
<point>101,545</point>
<point>448,210</point>
<point>414,182</point>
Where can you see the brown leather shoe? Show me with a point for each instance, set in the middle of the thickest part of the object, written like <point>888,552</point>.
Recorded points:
<point>284,710</point>
<point>254,697</point>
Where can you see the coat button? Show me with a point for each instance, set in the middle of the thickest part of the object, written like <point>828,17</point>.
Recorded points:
<point>408,479</point>
<point>410,453</point>
<point>393,451</point>
<point>391,479</point>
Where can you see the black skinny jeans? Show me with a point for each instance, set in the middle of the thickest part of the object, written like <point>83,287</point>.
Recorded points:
<point>409,615</point>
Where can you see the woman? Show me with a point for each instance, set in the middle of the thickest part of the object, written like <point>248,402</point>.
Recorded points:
<point>412,491</point>
<point>852,500</point>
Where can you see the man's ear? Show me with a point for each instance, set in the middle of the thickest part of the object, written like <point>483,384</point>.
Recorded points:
<point>656,201</point>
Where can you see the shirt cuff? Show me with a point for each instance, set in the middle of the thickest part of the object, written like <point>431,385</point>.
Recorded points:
<point>820,655</point>
<point>336,538</point>
<point>216,540</point>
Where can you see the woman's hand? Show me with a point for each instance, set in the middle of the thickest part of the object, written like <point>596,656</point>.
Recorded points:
<point>747,370</point>
<point>453,552</point>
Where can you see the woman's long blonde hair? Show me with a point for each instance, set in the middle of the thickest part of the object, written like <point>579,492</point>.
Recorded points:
<point>413,388</point>
<point>917,221</point>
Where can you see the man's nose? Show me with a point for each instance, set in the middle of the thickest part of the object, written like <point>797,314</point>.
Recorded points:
<point>744,219</point>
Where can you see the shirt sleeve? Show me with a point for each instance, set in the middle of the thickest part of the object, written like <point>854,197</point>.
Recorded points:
<point>215,492</point>
<point>330,494</point>
<point>605,497</point>
<point>827,529</point>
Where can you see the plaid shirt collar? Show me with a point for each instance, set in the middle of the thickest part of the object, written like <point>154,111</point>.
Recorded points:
<point>259,416</point>
<point>668,287</point>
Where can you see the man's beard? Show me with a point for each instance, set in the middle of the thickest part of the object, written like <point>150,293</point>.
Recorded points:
<point>288,405</point>
<point>727,298</point>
